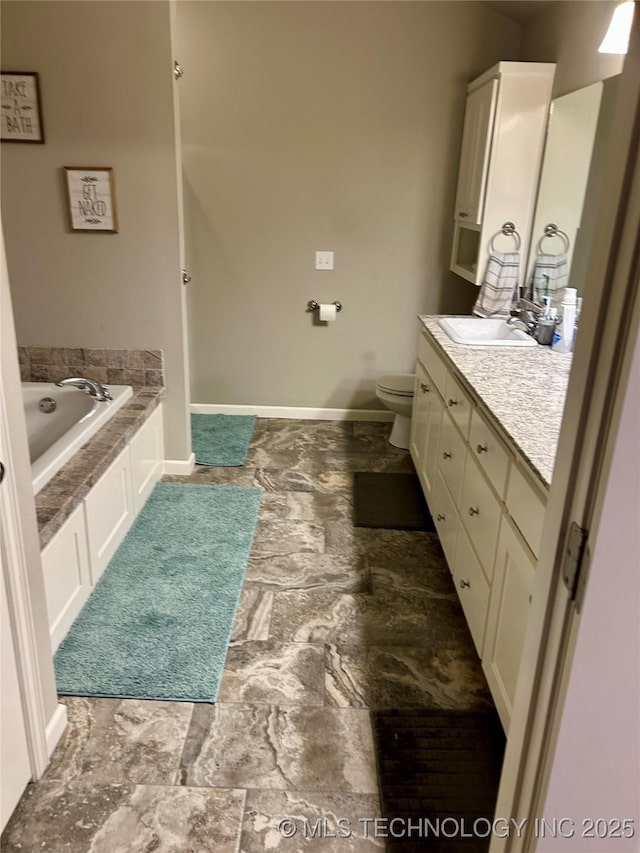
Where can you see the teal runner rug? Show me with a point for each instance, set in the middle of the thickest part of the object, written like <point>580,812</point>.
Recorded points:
<point>158,623</point>
<point>221,440</point>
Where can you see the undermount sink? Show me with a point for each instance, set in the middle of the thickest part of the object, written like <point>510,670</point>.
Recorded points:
<point>481,332</point>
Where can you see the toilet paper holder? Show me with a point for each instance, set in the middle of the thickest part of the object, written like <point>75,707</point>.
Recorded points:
<point>312,305</point>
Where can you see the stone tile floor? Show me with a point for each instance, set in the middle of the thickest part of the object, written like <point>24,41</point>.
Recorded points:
<point>334,622</point>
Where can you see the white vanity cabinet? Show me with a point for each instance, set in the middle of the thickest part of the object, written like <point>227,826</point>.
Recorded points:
<point>502,145</point>
<point>77,555</point>
<point>488,512</point>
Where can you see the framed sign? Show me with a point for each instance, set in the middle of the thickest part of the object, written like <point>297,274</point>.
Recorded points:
<point>91,197</point>
<point>21,115</point>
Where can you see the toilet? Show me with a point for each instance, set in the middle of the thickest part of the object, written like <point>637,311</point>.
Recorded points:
<point>395,390</point>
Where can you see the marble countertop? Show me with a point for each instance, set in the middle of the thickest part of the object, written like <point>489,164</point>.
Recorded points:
<point>64,492</point>
<point>523,389</point>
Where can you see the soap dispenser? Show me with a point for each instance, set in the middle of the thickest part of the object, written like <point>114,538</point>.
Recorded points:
<point>565,329</point>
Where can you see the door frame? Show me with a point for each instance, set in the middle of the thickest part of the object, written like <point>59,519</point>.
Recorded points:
<point>609,326</point>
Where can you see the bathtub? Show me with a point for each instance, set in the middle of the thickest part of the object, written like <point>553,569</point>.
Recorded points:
<point>55,436</point>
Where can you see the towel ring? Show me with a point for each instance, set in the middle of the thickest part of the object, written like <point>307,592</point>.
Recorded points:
<point>509,230</point>
<point>552,230</point>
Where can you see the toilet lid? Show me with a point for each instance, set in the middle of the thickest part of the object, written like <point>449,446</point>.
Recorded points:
<point>400,384</point>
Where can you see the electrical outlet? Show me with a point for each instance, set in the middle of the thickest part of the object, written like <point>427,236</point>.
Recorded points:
<point>324,260</point>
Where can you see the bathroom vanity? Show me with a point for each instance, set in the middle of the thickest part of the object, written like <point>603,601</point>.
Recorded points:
<point>484,433</point>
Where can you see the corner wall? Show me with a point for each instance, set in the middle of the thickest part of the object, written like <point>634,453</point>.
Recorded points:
<point>322,126</point>
<point>569,33</point>
<point>107,99</point>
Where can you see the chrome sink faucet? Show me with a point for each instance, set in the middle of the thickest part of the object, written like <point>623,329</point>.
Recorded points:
<point>91,387</point>
<point>523,318</point>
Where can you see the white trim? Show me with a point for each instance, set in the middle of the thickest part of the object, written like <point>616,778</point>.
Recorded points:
<point>19,597</point>
<point>55,728</point>
<point>180,466</point>
<point>295,413</point>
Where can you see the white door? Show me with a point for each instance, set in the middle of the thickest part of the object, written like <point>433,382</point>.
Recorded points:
<point>476,147</point>
<point>15,769</point>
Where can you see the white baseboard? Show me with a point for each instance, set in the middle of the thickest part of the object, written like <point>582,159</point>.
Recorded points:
<point>180,466</point>
<point>303,413</point>
<point>55,728</point>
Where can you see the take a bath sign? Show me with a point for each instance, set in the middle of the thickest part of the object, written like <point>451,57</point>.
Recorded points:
<point>91,199</point>
<point>21,117</point>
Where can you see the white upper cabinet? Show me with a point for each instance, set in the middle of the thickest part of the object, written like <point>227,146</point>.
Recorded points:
<point>502,144</point>
<point>476,146</point>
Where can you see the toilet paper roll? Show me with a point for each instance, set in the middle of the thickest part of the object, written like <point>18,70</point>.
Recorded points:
<point>328,312</point>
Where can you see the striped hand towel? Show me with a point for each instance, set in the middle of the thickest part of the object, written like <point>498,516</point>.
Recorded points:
<point>499,286</point>
<point>549,277</point>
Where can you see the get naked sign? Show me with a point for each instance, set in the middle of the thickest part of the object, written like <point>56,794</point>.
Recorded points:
<point>91,199</point>
<point>20,100</point>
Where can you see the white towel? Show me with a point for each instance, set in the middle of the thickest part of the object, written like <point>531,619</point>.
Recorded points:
<point>498,289</point>
<point>549,277</point>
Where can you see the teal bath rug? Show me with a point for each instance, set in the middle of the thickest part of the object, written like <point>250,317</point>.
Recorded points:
<point>158,623</point>
<point>221,440</point>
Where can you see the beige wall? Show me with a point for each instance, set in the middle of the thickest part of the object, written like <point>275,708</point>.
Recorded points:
<point>322,125</point>
<point>569,33</point>
<point>107,93</point>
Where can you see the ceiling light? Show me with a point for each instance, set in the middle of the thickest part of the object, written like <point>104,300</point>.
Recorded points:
<point>617,37</point>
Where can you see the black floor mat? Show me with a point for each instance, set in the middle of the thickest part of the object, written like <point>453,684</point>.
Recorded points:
<point>394,501</point>
<point>437,765</point>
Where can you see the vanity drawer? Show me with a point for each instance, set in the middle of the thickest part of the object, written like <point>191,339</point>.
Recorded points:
<point>452,451</point>
<point>432,361</point>
<point>480,512</point>
<point>458,404</point>
<point>526,505</point>
<point>472,588</point>
<point>490,452</point>
<point>445,518</point>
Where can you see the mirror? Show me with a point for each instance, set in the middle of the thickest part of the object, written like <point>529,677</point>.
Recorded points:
<point>569,190</point>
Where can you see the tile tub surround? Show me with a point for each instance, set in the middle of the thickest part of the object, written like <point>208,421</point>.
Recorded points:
<point>521,389</point>
<point>315,652</point>
<point>135,367</point>
<point>64,492</point>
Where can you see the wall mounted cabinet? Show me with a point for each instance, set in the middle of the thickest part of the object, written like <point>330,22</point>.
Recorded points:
<point>502,145</point>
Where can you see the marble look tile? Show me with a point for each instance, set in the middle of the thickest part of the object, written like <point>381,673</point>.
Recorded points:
<point>318,480</point>
<point>323,572</point>
<point>389,620</point>
<point>239,476</point>
<point>313,506</point>
<point>282,748</point>
<point>273,674</point>
<point>77,817</point>
<point>287,536</point>
<point>264,810</point>
<point>403,677</point>
<point>121,740</point>
<point>274,505</point>
<point>432,582</point>
<point>253,615</point>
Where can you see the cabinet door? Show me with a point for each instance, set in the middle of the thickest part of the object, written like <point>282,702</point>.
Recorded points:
<point>509,605</point>
<point>445,518</point>
<point>451,456</point>
<point>472,587</point>
<point>476,147</point>
<point>421,392</point>
<point>432,443</point>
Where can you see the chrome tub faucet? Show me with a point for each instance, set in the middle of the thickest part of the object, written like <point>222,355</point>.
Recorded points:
<point>91,387</point>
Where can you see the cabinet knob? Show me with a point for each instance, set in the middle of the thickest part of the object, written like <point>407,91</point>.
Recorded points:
<point>465,584</point>
<point>453,402</point>
<point>473,511</point>
<point>424,388</point>
<point>440,517</point>
<point>481,448</point>
<point>446,455</point>
<point>462,214</point>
